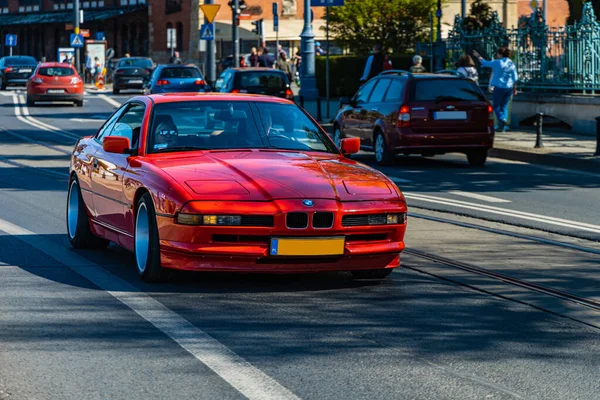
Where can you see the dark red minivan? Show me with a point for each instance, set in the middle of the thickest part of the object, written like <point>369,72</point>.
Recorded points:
<point>402,113</point>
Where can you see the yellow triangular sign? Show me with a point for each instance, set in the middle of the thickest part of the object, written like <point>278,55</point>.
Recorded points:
<point>210,11</point>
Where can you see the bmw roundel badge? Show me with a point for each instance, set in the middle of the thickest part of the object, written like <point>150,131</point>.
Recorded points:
<point>308,203</point>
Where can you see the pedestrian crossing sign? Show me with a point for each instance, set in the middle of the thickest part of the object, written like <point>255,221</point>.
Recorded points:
<point>207,32</point>
<point>76,40</point>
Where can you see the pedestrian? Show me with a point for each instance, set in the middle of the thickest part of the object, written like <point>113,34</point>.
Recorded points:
<point>175,59</point>
<point>281,51</point>
<point>97,68</point>
<point>465,67</point>
<point>243,62</point>
<point>127,55</point>
<point>88,68</point>
<point>265,59</point>
<point>375,64</point>
<point>318,50</point>
<point>504,82</point>
<point>417,67</point>
<point>254,58</point>
<point>284,65</point>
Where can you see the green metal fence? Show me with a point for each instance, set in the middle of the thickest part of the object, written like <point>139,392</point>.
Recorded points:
<point>554,59</point>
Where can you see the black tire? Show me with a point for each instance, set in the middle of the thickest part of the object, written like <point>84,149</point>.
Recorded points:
<point>30,102</point>
<point>115,90</point>
<point>477,158</point>
<point>385,157</point>
<point>79,103</point>
<point>148,267</point>
<point>2,84</point>
<point>372,273</point>
<point>82,237</point>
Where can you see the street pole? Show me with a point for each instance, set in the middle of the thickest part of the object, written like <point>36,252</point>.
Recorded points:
<point>430,42</point>
<point>439,20</point>
<point>236,33</point>
<point>308,89</point>
<point>463,9</point>
<point>76,29</point>
<point>545,11</point>
<point>211,68</point>
<point>327,59</point>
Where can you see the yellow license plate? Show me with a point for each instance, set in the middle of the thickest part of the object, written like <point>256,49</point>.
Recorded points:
<point>324,246</point>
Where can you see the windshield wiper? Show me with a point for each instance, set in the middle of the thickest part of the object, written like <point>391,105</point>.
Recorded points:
<point>179,148</point>
<point>439,99</point>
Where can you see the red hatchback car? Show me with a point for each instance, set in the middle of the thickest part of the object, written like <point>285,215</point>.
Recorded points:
<point>402,113</point>
<point>216,182</point>
<point>55,82</point>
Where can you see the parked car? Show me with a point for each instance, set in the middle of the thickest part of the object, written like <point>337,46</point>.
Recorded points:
<point>399,112</point>
<point>266,81</point>
<point>16,70</point>
<point>240,183</point>
<point>55,82</point>
<point>175,78</point>
<point>132,73</point>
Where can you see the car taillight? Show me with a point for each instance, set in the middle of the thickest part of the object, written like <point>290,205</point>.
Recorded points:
<point>9,69</point>
<point>37,80</point>
<point>235,91</point>
<point>490,115</point>
<point>403,117</point>
<point>200,82</point>
<point>74,81</point>
<point>289,94</point>
<point>162,82</point>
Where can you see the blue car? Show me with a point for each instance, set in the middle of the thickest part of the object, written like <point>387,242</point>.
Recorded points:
<point>175,78</point>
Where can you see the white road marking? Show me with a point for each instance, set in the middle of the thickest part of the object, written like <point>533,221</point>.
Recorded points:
<point>503,211</point>
<point>243,376</point>
<point>83,120</point>
<point>401,180</point>
<point>6,94</point>
<point>20,106</point>
<point>481,197</point>
<point>110,101</point>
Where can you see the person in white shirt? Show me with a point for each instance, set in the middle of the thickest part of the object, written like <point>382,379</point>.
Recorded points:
<point>466,68</point>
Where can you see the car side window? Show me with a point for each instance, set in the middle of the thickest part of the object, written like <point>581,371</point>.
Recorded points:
<point>108,125</point>
<point>362,96</point>
<point>395,91</point>
<point>130,124</point>
<point>379,91</point>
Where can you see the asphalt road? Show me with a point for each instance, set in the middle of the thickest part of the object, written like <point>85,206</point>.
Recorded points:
<point>80,324</point>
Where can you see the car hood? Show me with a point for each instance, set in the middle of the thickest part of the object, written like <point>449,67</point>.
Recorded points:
<point>270,175</point>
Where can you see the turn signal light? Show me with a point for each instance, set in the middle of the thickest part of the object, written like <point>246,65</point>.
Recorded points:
<point>214,220</point>
<point>403,117</point>
<point>162,82</point>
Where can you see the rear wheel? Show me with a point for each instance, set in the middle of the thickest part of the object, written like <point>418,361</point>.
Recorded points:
<point>115,90</point>
<point>372,273</point>
<point>30,102</point>
<point>477,158</point>
<point>79,103</point>
<point>383,155</point>
<point>78,224</point>
<point>147,248</point>
<point>2,84</point>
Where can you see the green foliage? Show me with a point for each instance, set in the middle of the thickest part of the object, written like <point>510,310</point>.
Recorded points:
<point>480,16</point>
<point>345,72</point>
<point>397,24</point>
<point>576,7</point>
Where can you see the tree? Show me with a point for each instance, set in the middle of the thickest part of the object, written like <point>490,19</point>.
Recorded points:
<point>480,16</point>
<point>575,8</point>
<point>397,24</point>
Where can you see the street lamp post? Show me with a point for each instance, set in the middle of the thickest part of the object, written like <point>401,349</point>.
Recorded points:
<point>308,87</point>
<point>211,69</point>
<point>463,9</point>
<point>236,33</point>
<point>76,31</point>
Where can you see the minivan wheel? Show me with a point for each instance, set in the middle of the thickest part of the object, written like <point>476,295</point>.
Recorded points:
<point>337,137</point>
<point>383,155</point>
<point>477,158</point>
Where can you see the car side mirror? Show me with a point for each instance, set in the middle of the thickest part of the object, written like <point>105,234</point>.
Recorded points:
<point>350,146</point>
<point>116,144</point>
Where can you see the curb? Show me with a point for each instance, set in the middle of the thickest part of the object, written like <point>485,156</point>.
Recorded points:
<point>552,160</point>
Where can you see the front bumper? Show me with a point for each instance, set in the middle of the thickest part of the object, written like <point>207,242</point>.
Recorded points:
<point>245,248</point>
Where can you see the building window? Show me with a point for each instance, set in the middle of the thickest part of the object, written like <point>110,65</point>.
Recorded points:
<point>3,6</point>
<point>131,2</point>
<point>29,5</point>
<point>172,6</point>
<point>92,4</point>
<point>63,5</point>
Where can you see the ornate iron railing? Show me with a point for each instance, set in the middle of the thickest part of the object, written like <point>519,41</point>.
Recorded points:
<point>554,59</point>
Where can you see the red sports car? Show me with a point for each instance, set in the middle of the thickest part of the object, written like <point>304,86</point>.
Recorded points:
<point>55,82</point>
<point>231,183</point>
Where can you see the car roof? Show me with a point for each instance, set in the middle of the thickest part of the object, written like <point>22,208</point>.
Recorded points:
<point>182,97</point>
<point>178,66</point>
<point>250,69</point>
<point>55,64</point>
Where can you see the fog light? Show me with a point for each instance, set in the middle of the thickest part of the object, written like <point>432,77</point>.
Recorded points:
<point>189,219</point>
<point>222,220</point>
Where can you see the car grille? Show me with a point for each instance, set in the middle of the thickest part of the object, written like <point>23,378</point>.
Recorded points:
<point>322,220</point>
<point>364,220</point>
<point>257,220</point>
<point>297,220</point>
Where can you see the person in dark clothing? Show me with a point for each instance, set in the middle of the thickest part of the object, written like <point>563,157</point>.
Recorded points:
<point>375,64</point>
<point>266,60</point>
<point>175,59</point>
<point>254,58</point>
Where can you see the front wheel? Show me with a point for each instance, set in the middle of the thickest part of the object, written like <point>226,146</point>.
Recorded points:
<point>79,103</point>
<point>115,90</point>
<point>78,224</point>
<point>383,155</point>
<point>477,158</point>
<point>372,273</point>
<point>147,247</point>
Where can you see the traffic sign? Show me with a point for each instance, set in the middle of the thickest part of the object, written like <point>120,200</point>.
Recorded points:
<point>100,36</point>
<point>210,11</point>
<point>171,38</point>
<point>84,32</point>
<point>275,23</point>
<point>76,40</point>
<point>10,40</point>
<point>326,3</point>
<point>207,32</point>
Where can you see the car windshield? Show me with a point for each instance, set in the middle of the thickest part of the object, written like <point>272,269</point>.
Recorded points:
<point>180,73</point>
<point>261,79</point>
<point>20,61</point>
<point>56,71</point>
<point>437,90</point>
<point>135,62</point>
<point>204,125</point>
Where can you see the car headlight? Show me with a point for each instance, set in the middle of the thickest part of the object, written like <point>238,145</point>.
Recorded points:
<point>210,220</point>
<point>387,219</point>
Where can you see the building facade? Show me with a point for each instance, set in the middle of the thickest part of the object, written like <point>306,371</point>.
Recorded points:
<point>137,27</point>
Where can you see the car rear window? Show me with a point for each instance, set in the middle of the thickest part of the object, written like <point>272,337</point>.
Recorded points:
<point>431,90</point>
<point>20,61</point>
<point>180,73</point>
<point>261,79</point>
<point>135,62</point>
<point>56,71</point>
